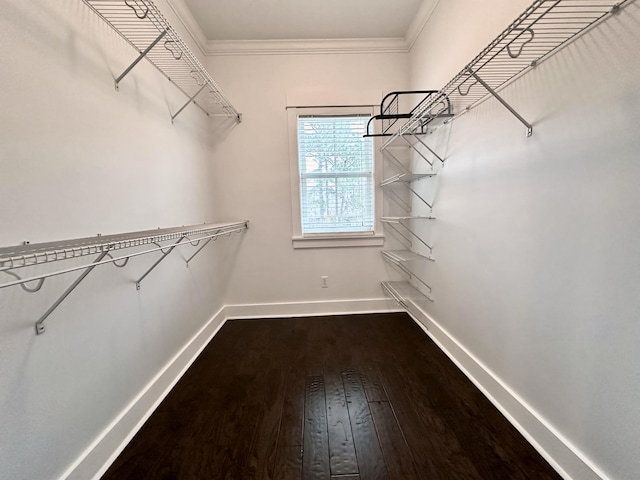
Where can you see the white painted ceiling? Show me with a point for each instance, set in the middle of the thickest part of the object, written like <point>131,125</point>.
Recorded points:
<point>256,20</point>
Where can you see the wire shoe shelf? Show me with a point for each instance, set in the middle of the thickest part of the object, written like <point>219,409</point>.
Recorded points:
<point>540,31</point>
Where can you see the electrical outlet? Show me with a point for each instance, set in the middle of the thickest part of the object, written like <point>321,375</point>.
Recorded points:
<point>324,281</point>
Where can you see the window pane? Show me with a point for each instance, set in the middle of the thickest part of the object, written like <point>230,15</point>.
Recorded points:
<point>334,144</point>
<point>336,174</point>
<point>337,204</point>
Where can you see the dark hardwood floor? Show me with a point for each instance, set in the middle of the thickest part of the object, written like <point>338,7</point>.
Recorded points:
<point>337,398</point>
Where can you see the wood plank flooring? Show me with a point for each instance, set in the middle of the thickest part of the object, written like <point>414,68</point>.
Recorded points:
<point>361,397</point>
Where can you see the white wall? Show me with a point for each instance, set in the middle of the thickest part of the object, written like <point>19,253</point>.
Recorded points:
<point>536,265</point>
<point>254,161</point>
<point>537,269</point>
<point>78,158</point>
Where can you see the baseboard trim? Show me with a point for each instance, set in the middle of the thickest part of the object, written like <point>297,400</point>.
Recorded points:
<point>97,458</point>
<point>568,461</point>
<point>103,451</point>
<point>557,450</point>
<point>311,309</point>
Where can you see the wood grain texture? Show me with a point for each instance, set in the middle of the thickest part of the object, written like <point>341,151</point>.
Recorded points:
<point>288,463</point>
<point>364,434</point>
<point>372,386</point>
<point>396,452</point>
<point>342,453</point>
<point>295,399</point>
<point>315,461</point>
<point>291,422</point>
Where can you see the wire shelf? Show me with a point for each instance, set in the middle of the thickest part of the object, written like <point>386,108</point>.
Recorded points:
<point>141,24</point>
<point>537,33</point>
<point>405,294</point>
<point>12,258</point>
<point>400,219</point>
<point>406,178</point>
<point>404,255</point>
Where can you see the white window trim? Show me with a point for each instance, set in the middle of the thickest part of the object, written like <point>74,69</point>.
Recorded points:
<point>317,240</point>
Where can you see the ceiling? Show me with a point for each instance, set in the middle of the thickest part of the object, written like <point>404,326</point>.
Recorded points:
<point>216,23</point>
<point>303,19</point>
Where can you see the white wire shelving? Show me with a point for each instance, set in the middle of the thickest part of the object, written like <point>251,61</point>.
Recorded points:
<point>540,31</point>
<point>114,249</point>
<point>403,260</point>
<point>407,232</point>
<point>405,294</point>
<point>405,256</point>
<point>143,26</point>
<point>407,179</point>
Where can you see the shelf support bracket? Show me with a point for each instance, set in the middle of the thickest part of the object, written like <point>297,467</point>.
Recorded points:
<point>417,237</point>
<point>40,327</point>
<point>137,60</point>
<point>210,239</point>
<point>396,198</point>
<point>413,234</point>
<point>502,101</point>
<point>409,273</point>
<point>393,159</point>
<point>412,190</point>
<point>173,117</point>
<point>427,147</point>
<point>201,248</point>
<point>396,297</point>
<point>397,230</point>
<point>412,145</point>
<point>164,255</point>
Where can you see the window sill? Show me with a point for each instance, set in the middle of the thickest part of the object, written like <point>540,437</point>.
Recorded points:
<point>338,241</point>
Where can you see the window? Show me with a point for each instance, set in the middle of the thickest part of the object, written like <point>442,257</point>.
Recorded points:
<point>333,178</point>
<point>335,165</point>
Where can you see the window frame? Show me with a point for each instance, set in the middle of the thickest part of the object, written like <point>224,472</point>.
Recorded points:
<point>330,240</point>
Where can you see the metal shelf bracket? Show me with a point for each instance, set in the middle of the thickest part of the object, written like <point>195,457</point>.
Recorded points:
<point>30,255</point>
<point>164,255</point>
<point>140,57</point>
<point>422,142</point>
<point>412,190</point>
<point>192,99</point>
<point>417,150</point>
<point>200,249</point>
<point>142,24</point>
<point>40,327</point>
<point>541,30</point>
<point>502,101</point>
<point>392,224</point>
<point>395,262</point>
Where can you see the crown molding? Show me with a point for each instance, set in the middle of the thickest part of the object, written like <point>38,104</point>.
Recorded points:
<point>303,46</point>
<point>189,22</point>
<point>420,21</point>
